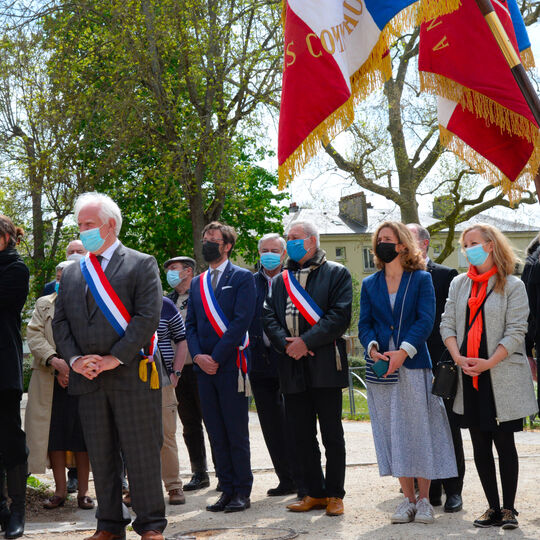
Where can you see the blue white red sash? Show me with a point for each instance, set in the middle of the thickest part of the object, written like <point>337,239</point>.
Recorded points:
<point>301,299</point>
<point>114,310</point>
<point>219,323</point>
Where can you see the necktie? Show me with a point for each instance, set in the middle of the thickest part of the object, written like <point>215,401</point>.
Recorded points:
<point>90,302</point>
<point>215,275</point>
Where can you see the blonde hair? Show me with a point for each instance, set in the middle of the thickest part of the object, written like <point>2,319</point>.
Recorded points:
<point>503,255</point>
<point>411,257</point>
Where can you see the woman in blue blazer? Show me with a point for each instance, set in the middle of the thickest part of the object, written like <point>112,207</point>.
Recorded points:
<point>410,427</point>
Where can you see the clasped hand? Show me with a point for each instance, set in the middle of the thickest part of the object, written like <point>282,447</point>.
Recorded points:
<point>296,348</point>
<point>207,363</point>
<point>91,365</point>
<point>395,359</point>
<point>473,366</point>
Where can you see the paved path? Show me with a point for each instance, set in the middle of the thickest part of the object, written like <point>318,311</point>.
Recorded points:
<point>369,501</point>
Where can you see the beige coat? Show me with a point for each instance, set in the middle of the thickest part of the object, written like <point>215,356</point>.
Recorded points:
<point>505,323</point>
<point>37,419</point>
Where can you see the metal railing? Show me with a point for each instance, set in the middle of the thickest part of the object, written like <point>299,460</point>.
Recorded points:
<point>354,374</point>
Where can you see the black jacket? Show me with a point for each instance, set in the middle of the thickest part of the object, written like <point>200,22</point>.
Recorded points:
<point>14,277</point>
<point>441,276</point>
<point>264,360</point>
<point>531,278</point>
<point>330,286</point>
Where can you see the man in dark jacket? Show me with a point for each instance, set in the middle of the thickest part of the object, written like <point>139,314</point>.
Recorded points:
<point>442,276</point>
<point>307,313</point>
<point>277,432</point>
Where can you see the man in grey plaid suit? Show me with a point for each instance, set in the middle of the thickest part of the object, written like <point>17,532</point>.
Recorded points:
<point>118,410</point>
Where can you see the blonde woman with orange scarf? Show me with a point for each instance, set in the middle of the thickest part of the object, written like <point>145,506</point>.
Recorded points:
<point>495,390</point>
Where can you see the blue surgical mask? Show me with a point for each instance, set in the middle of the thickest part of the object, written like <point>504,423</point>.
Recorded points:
<point>92,240</point>
<point>270,260</point>
<point>296,249</point>
<point>56,286</point>
<point>477,255</point>
<point>173,278</point>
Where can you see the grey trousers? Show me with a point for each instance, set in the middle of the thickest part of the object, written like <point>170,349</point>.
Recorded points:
<point>131,421</point>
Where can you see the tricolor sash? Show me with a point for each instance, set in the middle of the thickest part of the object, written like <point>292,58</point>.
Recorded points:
<point>301,299</point>
<point>115,312</point>
<point>219,323</point>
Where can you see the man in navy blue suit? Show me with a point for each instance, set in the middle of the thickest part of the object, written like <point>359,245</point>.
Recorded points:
<point>230,291</point>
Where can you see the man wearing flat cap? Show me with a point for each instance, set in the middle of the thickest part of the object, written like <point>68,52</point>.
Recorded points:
<point>180,271</point>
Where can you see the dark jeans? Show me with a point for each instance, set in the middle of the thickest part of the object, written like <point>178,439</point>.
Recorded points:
<point>304,408</point>
<point>13,449</point>
<point>189,410</point>
<point>277,431</point>
<point>452,486</point>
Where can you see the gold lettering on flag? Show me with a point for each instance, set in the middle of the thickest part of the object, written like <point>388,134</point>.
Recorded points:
<point>442,44</point>
<point>330,46</point>
<point>310,46</point>
<point>433,24</point>
<point>290,53</point>
<point>336,32</point>
<point>350,23</point>
<point>346,5</point>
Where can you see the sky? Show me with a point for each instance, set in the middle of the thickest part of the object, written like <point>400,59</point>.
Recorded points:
<point>323,189</point>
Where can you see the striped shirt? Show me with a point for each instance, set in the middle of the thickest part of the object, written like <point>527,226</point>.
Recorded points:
<point>171,327</point>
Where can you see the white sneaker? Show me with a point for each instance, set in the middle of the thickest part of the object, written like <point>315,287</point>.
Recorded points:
<point>404,512</point>
<point>424,512</point>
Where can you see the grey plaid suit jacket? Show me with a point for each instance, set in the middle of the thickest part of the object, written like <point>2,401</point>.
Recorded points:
<point>135,278</point>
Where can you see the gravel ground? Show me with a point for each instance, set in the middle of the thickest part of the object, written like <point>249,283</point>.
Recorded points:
<point>369,502</point>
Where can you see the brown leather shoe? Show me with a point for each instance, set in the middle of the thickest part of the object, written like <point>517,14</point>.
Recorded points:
<point>308,503</point>
<point>54,502</point>
<point>176,496</point>
<point>151,535</point>
<point>335,507</point>
<point>106,535</point>
<point>85,502</point>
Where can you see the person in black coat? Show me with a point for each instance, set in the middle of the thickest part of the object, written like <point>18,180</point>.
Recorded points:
<point>311,374</point>
<point>14,278</point>
<point>277,430</point>
<point>442,276</point>
<point>531,278</point>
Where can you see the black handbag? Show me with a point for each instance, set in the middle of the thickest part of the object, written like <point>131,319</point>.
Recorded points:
<point>446,372</point>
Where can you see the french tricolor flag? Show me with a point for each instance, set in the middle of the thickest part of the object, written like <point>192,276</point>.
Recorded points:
<point>336,51</point>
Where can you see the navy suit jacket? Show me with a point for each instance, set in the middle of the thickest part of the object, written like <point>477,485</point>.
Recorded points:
<point>378,321</point>
<point>235,295</point>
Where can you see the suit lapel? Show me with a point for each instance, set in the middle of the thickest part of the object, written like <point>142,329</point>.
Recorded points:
<point>400,294</point>
<point>224,279</point>
<point>383,287</point>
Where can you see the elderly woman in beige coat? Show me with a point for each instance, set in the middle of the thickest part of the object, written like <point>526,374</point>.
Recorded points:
<point>51,420</point>
<point>483,326</point>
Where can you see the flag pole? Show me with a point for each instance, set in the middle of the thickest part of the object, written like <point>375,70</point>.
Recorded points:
<point>515,65</point>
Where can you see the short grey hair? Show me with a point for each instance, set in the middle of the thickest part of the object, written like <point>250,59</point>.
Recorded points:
<point>309,228</point>
<point>108,208</point>
<point>422,232</point>
<point>62,265</point>
<point>272,236</point>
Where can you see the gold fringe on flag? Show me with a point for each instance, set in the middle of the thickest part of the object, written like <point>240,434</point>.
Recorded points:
<point>527,58</point>
<point>480,105</point>
<point>370,77</point>
<point>495,176</point>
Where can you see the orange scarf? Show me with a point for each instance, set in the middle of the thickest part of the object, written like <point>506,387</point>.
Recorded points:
<point>478,294</point>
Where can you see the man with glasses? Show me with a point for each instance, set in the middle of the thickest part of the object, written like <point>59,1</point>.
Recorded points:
<point>221,305</point>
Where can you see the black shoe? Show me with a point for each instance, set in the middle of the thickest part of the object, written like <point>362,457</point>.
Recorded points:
<point>238,503</point>
<point>454,503</point>
<point>435,501</point>
<point>281,490</point>
<point>198,481</point>
<point>16,488</point>
<point>4,509</point>
<point>72,485</point>
<point>508,519</point>
<point>490,518</point>
<point>220,504</point>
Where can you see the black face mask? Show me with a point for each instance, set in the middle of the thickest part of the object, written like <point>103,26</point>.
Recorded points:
<point>386,251</point>
<point>210,251</point>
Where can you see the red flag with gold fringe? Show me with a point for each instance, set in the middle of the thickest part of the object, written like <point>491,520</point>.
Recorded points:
<point>483,115</point>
